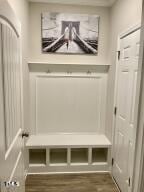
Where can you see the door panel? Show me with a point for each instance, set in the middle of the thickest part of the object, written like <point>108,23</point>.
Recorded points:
<point>133,97</point>
<point>122,94</point>
<point>11,75</point>
<point>121,119</point>
<point>11,143</point>
<point>126,94</point>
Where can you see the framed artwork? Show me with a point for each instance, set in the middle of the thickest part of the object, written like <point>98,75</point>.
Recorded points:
<point>70,33</point>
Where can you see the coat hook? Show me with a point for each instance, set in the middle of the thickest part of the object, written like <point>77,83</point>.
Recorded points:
<point>48,71</point>
<point>69,72</point>
<point>88,72</point>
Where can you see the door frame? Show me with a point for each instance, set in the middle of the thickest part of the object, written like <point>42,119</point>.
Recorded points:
<point>123,34</point>
<point>138,180</point>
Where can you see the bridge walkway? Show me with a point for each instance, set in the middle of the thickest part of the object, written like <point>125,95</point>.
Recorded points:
<point>72,48</point>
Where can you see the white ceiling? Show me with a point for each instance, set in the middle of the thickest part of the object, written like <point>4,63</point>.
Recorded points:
<point>106,3</point>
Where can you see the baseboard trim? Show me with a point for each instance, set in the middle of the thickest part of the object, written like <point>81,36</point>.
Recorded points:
<point>25,174</point>
<point>66,173</point>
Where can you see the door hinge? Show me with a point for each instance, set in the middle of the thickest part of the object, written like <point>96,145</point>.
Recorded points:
<point>119,54</point>
<point>115,110</point>
<point>129,181</point>
<point>112,161</point>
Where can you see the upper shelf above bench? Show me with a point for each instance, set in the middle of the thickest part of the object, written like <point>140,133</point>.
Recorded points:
<point>67,140</point>
<point>67,63</point>
<point>71,68</point>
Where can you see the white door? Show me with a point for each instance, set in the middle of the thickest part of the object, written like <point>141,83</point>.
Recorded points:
<point>11,143</point>
<point>125,103</point>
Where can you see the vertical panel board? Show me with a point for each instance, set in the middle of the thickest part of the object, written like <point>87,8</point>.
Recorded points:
<point>12,84</point>
<point>11,67</point>
<point>19,84</point>
<point>6,79</point>
<point>13,87</point>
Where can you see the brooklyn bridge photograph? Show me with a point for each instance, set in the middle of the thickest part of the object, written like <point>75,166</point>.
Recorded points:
<point>70,33</point>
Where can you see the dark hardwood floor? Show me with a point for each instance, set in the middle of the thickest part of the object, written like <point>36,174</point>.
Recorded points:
<point>95,182</point>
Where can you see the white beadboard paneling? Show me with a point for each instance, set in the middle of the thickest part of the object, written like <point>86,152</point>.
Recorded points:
<point>62,103</point>
<point>11,82</point>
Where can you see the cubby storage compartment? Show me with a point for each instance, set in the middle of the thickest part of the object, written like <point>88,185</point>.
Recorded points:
<point>68,153</point>
<point>99,155</point>
<point>58,156</point>
<point>79,155</point>
<point>37,157</point>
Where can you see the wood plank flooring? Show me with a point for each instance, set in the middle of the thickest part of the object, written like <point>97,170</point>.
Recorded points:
<point>95,182</point>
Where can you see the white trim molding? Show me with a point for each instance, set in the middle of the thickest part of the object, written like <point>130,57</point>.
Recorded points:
<point>105,3</point>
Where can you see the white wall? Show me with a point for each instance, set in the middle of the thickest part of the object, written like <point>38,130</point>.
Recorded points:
<point>123,14</point>
<point>21,9</point>
<point>35,54</point>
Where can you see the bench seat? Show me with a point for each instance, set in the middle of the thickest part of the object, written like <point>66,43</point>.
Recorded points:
<point>68,140</point>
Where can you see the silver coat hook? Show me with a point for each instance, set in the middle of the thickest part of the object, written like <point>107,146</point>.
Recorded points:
<point>69,72</point>
<point>88,72</point>
<point>48,71</point>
